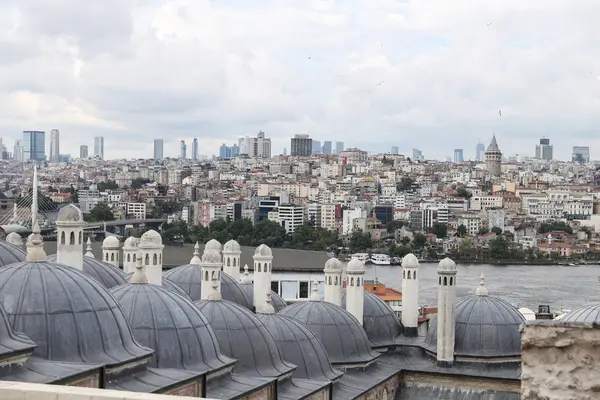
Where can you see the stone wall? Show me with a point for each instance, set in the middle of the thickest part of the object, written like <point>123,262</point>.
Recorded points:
<point>560,361</point>
<point>384,391</point>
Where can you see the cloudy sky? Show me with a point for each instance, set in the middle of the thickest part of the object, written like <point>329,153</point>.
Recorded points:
<point>135,70</point>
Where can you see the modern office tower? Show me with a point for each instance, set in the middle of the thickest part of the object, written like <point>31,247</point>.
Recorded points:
<point>480,152</point>
<point>83,151</point>
<point>183,150</point>
<point>18,151</point>
<point>229,151</point>
<point>301,146</point>
<point>316,147</point>
<point>394,150</point>
<point>54,145</point>
<point>99,147</point>
<point>417,155</point>
<point>581,154</point>
<point>235,150</point>
<point>458,155</point>
<point>260,146</point>
<point>34,145</point>
<point>544,150</point>
<point>339,147</point>
<point>158,149</point>
<point>195,149</point>
<point>327,147</point>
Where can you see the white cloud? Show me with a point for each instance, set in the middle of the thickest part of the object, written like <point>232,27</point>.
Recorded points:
<point>135,70</point>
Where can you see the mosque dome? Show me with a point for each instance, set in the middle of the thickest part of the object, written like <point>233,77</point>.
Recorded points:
<point>70,316</point>
<point>150,238</point>
<point>131,243</point>
<point>175,288</point>
<point>379,320</point>
<point>277,301</point>
<point>172,326</point>
<point>589,314</point>
<point>106,274</point>
<point>14,238</point>
<point>355,265</point>
<point>12,342</point>
<point>298,345</point>
<point>189,278</point>
<point>333,264</point>
<point>212,244</point>
<point>231,247</point>
<point>111,242</point>
<point>10,254</point>
<point>241,335</point>
<point>340,333</point>
<point>263,251</point>
<point>486,326</point>
<point>70,213</point>
<point>211,257</point>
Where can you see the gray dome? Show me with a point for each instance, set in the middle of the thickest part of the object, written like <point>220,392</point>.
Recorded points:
<point>175,288</point>
<point>588,314</point>
<point>11,342</point>
<point>379,320</point>
<point>10,254</point>
<point>341,334</point>
<point>242,336</point>
<point>172,326</point>
<point>69,213</point>
<point>70,316</point>
<point>108,275</point>
<point>189,278</point>
<point>485,327</point>
<point>298,345</point>
<point>277,301</point>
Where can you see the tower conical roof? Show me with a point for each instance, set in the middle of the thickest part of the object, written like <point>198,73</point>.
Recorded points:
<point>493,145</point>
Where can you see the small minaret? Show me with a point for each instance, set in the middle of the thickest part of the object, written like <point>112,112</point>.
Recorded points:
<point>130,254</point>
<point>333,281</point>
<point>246,279</point>
<point>213,244</point>
<point>410,295</point>
<point>211,272</point>
<point>88,249</point>
<point>151,249</point>
<point>446,321</point>
<point>35,248</point>
<point>314,296</point>
<point>267,306</point>
<point>15,239</point>
<point>355,289</point>
<point>138,276</point>
<point>482,289</point>
<point>215,291</point>
<point>69,224</point>
<point>34,193</point>
<point>231,259</point>
<point>111,248</point>
<point>263,258</point>
<point>196,260</point>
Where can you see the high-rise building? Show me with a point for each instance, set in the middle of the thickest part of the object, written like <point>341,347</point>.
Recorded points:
<point>544,150</point>
<point>260,146</point>
<point>229,151</point>
<point>83,151</point>
<point>458,155</point>
<point>54,145</point>
<point>339,147</point>
<point>301,146</point>
<point>99,147</point>
<point>327,147</point>
<point>195,149</point>
<point>394,150</point>
<point>417,155</point>
<point>581,154</point>
<point>158,149</point>
<point>183,150</point>
<point>34,146</point>
<point>18,151</point>
<point>480,152</point>
<point>316,147</point>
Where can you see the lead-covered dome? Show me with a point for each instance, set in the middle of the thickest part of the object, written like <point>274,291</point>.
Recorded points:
<point>589,314</point>
<point>340,333</point>
<point>69,213</point>
<point>172,326</point>
<point>106,274</point>
<point>379,320</point>
<point>485,327</point>
<point>299,345</point>
<point>243,336</point>
<point>175,288</point>
<point>70,316</point>
<point>189,278</point>
<point>10,254</point>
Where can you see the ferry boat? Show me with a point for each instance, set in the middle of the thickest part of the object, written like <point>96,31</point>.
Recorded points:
<point>380,259</point>
<point>364,257</point>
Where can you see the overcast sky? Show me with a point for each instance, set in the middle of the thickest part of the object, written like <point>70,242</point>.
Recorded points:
<point>136,70</point>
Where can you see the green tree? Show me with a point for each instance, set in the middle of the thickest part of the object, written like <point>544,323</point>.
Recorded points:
<point>101,212</point>
<point>496,230</point>
<point>461,231</point>
<point>108,185</point>
<point>419,241</point>
<point>137,183</point>
<point>483,231</point>
<point>440,230</point>
<point>360,242</point>
<point>393,226</point>
<point>555,226</point>
<point>462,192</point>
<point>404,184</point>
<point>499,248</point>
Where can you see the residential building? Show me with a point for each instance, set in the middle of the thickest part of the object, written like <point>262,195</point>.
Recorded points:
<point>290,217</point>
<point>136,210</point>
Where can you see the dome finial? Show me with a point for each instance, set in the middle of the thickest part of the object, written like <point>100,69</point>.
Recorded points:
<point>246,280</point>
<point>35,250</point>
<point>482,289</point>
<point>315,292</point>
<point>138,275</point>
<point>196,258</point>
<point>215,293</point>
<point>88,248</point>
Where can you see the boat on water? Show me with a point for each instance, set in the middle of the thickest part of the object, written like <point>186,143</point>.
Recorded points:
<point>380,259</point>
<point>364,257</point>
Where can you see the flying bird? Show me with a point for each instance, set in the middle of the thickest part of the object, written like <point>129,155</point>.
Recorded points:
<point>489,23</point>
<point>500,112</point>
<point>380,83</point>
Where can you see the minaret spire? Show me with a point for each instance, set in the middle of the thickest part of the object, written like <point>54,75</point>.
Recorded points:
<point>482,289</point>
<point>315,292</point>
<point>88,249</point>
<point>34,203</point>
<point>196,256</point>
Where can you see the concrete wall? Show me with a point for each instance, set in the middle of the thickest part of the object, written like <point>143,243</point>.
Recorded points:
<point>560,361</point>
<point>30,391</point>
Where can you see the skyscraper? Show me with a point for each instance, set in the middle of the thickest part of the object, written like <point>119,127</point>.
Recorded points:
<point>316,147</point>
<point>339,147</point>
<point>417,155</point>
<point>327,147</point>
<point>394,149</point>
<point>18,151</point>
<point>195,149</point>
<point>260,146</point>
<point>544,150</point>
<point>34,146</point>
<point>183,150</point>
<point>54,145</point>
<point>83,151</point>
<point>158,149</point>
<point>99,147</point>
<point>581,154</point>
<point>480,152</point>
<point>301,146</point>
<point>458,155</point>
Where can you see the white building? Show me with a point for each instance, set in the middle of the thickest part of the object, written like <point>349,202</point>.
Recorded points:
<point>136,210</point>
